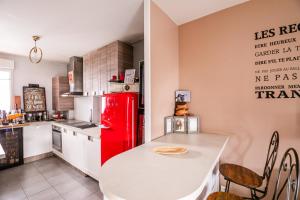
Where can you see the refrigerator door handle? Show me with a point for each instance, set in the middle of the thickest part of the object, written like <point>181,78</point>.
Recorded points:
<point>132,123</point>
<point>103,126</point>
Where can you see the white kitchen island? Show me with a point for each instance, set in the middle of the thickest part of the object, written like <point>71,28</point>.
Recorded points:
<point>141,174</point>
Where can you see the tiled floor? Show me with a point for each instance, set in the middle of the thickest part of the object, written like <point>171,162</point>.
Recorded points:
<point>47,179</point>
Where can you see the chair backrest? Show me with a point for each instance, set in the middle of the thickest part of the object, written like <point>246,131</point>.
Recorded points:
<point>288,180</point>
<point>271,158</point>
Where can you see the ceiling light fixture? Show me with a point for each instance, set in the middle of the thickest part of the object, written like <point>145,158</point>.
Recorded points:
<point>36,53</point>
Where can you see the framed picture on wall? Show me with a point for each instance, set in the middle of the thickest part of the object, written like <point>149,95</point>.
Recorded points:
<point>183,96</point>
<point>129,76</point>
<point>34,99</point>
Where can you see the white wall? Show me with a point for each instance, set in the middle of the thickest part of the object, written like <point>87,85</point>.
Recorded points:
<point>147,70</point>
<point>83,106</point>
<point>26,72</point>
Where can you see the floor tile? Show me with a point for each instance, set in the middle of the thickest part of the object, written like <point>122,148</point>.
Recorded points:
<point>46,167</point>
<point>53,172</point>
<point>46,179</point>
<point>73,172</point>
<point>9,182</point>
<point>77,194</point>
<point>29,181</point>
<point>94,197</point>
<point>91,185</point>
<point>67,186</point>
<point>59,179</point>
<point>88,183</point>
<point>36,187</point>
<point>48,194</point>
<point>14,194</point>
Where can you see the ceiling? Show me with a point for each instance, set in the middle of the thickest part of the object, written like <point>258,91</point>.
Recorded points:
<point>73,28</point>
<point>67,27</point>
<point>183,11</point>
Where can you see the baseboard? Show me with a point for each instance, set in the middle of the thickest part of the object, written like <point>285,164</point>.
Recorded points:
<point>37,157</point>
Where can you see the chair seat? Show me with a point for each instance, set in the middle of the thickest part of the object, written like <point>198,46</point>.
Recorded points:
<point>241,175</point>
<point>223,196</point>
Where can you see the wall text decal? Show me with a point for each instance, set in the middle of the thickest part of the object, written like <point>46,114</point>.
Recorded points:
<point>277,62</point>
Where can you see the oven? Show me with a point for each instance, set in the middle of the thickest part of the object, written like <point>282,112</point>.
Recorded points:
<point>56,138</point>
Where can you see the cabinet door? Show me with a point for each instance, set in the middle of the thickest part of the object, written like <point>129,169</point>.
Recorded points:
<point>95,72</point>
<point>76,155</point>
<point>55,93</point>
<point>113,59</point>
<point>66,145</point>
<point>84,70</point>
<point>91,156</point>
<point>64,103</point>
<point>103,70</point>
<point>87,78</point>
<point>37,140</point>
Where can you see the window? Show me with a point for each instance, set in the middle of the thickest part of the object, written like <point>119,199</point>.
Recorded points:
<point>5,89</point>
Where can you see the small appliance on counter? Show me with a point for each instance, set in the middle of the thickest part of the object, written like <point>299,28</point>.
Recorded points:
<point>59,115</point>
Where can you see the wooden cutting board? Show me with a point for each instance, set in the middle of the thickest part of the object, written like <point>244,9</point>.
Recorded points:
<point>167,150</point>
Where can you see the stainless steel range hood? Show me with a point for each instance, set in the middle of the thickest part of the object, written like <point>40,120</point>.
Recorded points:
<point>75,76</point>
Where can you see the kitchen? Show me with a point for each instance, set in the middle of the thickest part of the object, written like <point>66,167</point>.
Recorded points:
<point>107,96</point>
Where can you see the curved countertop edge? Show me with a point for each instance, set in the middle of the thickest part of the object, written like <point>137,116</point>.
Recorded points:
<point>195,194</point>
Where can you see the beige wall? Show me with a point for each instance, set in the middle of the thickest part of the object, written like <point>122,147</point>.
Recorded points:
<point>217,65</point>
<point>164,68</point>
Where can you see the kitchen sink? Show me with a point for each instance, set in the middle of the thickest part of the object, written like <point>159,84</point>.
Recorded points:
<point>86,126</point>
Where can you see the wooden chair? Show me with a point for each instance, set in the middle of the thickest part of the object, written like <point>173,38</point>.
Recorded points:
<point>288,180</point>
<point>245,177</point>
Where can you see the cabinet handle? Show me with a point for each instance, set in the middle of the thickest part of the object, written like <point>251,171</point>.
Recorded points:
<point>74,133</point>
<point>90,138</point>
<point>65,130</point>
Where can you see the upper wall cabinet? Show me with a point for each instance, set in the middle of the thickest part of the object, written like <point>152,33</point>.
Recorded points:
<point>60,85</point>
<point>100,65</point>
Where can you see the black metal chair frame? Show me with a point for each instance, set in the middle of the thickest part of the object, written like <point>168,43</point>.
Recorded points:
<point>290,165</point>
<point>270,162</point>
<point>288,178</point>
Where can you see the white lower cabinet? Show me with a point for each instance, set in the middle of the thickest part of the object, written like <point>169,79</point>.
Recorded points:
<point>91,156</point>
<point>37,139</point>
<point>72,148</point>
<point>81,151</point>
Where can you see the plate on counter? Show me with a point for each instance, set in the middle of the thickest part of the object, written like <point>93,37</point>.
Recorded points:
<point>167,150</point>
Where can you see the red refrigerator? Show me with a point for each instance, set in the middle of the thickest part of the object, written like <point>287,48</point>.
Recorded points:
<point>118,123</point>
